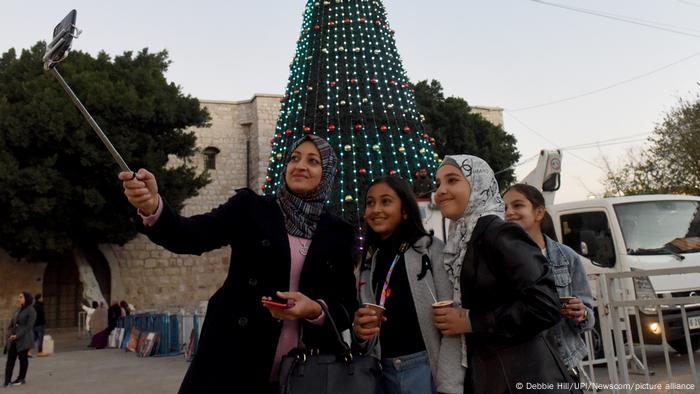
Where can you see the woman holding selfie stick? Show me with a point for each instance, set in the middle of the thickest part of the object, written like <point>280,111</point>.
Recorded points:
<point>503,289</point>
<point>525,206</point>
<point>285,246</point>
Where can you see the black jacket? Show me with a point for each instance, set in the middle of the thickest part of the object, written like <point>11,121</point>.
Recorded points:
<point>40,316</point>
<point>239,336</point>
<point>509,290</point>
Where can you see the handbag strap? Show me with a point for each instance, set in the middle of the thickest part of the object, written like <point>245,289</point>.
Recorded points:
<point>346,352</point>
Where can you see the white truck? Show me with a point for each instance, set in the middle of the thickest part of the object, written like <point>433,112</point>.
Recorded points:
<point>621,234</point>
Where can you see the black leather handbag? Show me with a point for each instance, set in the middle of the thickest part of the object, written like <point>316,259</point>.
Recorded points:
<point>305,371</point>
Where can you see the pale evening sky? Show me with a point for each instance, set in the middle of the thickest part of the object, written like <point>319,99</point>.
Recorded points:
<point>513,54</point>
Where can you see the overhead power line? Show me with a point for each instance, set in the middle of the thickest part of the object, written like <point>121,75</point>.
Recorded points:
<point>688,3</point>
<point>614,85</point>
<point>626,19</point>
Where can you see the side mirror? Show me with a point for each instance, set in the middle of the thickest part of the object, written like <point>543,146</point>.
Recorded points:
<point>584,249</point>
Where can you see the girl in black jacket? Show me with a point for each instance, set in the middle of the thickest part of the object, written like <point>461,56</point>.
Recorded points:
<point>503,289</point>
<point>286,246</point>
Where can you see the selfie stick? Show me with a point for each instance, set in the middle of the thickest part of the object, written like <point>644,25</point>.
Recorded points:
<point>56,52</point>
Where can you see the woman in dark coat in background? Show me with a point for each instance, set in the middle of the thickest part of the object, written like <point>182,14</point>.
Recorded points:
<point>285,245</point>
<point>21,339</point>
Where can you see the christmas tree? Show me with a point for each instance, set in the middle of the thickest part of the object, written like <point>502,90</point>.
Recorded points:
<point>347,84</point>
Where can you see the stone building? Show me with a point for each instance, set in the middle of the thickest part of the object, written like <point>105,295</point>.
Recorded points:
<point>235,149</point>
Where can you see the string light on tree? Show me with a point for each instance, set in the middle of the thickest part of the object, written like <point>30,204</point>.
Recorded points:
<point>347,84</point>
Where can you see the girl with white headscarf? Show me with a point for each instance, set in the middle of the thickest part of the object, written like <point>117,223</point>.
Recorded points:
<point>504,292</point>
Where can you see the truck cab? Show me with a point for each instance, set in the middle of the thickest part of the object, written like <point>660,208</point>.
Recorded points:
<point>644,232</point>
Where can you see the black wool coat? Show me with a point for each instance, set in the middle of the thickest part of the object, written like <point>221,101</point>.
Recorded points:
<point>239,337</point>
<point>509,290</point>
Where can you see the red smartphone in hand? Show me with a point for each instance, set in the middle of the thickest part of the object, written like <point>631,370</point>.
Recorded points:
<point>277,302</point>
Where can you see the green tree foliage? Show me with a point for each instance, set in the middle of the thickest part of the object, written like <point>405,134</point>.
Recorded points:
<point>59,186</point>
<point>459,131</point>
<point>671,164</point>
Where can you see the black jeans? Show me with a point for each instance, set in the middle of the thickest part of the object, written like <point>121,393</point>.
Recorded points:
<point>39,338</point>
<point>12,356</point>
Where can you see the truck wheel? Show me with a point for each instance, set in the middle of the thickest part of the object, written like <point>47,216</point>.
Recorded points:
<point>681,347</point>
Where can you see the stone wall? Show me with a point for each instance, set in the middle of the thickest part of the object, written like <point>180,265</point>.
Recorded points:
<point>492,114</point>
<point>151,277</point>
<point>17,276</point>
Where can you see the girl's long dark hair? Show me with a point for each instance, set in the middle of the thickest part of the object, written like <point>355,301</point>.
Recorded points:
<point>410,229</point>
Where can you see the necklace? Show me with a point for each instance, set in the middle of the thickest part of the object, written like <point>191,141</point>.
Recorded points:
<point>303,247</point>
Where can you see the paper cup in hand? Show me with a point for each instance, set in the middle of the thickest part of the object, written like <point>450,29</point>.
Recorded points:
<point>379,310</point>
<point>443,304</point>
<point>565,301</point>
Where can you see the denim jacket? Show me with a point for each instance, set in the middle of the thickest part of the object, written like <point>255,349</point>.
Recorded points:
<point>570,279</point>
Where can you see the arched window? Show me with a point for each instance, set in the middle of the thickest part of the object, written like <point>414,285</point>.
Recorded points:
<point>210,157</point>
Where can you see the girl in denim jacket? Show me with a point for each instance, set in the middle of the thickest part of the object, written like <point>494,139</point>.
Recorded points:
<point>525,206</point>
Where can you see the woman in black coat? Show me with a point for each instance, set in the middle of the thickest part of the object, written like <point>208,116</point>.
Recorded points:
<point>286,246</point>
<point>21,339</point>
<point>503,289</point>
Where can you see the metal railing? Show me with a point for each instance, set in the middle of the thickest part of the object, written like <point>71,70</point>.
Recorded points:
<point>618,338</point>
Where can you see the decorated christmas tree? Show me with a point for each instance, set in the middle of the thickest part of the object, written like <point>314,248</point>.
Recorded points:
<point>347,84</point>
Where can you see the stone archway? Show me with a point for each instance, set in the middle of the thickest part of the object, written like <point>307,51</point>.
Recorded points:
<point>81,277</point>
<point>62,293</point>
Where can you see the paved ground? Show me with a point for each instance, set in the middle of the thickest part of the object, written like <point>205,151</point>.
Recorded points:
<point>74,368</point>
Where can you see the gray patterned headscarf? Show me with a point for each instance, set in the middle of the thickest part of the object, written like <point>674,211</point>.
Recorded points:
<point>484,200</point>
<point>303,211</point>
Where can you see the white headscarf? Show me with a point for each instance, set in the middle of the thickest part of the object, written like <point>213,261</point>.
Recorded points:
<point>484,200</point>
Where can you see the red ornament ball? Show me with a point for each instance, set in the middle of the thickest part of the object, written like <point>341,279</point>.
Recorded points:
<point>289,132</point>
<point>374,81</point>
<point>307,129</point>
<point>353,81</point>
<point>363,20</point>
<point>392,172</point>
<point>392,83</point>
<point>406,129</point>
<point>264,187</point>
<point>268,180</point>
<point>383,128</point>
<point>347,21</point>
<point>317,27</point>
<point>358,126</point>
<point>333,84</point>
<point>362,171</point>
<point>278,136</point>
<point>377,22</point>
<point>406,85</point>
<point>331,24</point>
<point>426,135</point>
<point>331,127</point>
<point>432,141</point>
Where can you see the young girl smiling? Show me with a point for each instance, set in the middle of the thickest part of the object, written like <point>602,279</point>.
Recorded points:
<point>403,273</point>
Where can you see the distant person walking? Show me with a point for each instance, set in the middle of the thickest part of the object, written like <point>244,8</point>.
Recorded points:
<point>39,325</point>
<point>20,340</point>
<point>89,311</point>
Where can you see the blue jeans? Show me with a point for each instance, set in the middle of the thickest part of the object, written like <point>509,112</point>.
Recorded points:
<point>407,375</point>
<point>39,338</point>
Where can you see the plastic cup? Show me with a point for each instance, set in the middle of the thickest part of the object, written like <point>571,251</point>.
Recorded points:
<point>379,310</point>
<point>443,304</point>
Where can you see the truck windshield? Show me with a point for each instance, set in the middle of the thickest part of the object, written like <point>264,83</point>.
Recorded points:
<point>660,227</point>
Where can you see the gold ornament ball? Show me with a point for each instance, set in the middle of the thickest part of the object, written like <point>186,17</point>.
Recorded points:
<point>348,198</point>
<point>375,148</point>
